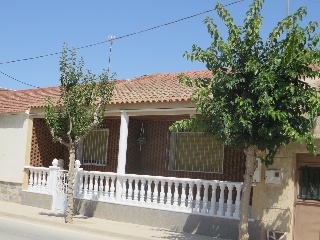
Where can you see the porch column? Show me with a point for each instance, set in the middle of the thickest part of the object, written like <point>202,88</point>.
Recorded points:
<point>122,155</point>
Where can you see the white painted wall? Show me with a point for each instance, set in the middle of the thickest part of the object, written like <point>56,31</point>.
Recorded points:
<point>13,143</point>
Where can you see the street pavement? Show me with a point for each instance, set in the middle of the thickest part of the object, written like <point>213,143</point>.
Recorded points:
<point>95,226</point>
<point>16,229</point>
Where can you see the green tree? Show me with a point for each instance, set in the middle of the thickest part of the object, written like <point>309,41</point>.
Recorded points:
<point>80,110</point>
<point>257,98</point>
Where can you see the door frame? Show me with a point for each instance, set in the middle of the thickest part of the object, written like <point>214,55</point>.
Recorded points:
<point>303,159</point>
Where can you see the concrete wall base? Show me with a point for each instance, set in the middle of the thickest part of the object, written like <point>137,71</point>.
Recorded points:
<point>10,191</point>
<point>39,200</point>
<point>181,222</point>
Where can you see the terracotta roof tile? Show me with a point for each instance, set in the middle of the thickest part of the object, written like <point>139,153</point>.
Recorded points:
<point>144,89</point>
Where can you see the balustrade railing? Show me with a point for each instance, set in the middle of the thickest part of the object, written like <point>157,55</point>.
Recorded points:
<point>39,179</point>
<point>49,180</point>
<point>211,198</point>
<point>204,197</point>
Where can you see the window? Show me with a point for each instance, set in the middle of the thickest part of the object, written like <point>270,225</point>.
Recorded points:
<point>309,183</point>
<point>195,152</point>
<point>93,149</point>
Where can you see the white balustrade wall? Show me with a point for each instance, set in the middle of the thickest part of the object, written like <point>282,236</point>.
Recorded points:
<point>205,197</point>
<point>49,180</point>
<point>215,198</point>
<point>39,179</point>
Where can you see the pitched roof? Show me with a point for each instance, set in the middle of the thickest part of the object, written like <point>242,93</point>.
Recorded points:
<point>144,89</point>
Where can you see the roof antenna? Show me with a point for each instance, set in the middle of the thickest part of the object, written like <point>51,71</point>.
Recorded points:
<point>111,40</point>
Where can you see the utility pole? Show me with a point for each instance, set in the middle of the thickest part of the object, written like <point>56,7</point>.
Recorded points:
<point>111,40</point>
<point>287,8</point>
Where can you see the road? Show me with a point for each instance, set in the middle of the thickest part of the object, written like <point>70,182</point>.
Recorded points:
<point>16,229</point>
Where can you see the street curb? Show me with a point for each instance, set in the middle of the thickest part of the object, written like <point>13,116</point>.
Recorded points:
<point>75,226</point>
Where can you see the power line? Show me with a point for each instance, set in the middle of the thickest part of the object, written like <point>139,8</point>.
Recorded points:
<point>124,36</point>
<point>18,80</point>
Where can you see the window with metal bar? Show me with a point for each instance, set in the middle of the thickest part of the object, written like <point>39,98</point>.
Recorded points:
<point>196,152</point>
<point>93,149</point>
<point>309,183</point>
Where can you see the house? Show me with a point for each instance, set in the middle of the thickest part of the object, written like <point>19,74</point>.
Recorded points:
<point>142,173</point>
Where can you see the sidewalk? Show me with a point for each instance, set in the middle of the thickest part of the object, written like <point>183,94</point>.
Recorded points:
<point>96,225</point>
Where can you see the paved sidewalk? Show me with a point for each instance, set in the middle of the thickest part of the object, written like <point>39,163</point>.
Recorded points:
<point>118,230</point>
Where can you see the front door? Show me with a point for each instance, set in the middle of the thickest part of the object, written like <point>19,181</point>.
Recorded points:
<point>307,198</point>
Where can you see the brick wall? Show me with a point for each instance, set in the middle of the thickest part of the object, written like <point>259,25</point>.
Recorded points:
<point>151,160</point>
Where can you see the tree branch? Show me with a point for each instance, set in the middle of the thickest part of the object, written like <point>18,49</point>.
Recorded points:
<point>59,139</point>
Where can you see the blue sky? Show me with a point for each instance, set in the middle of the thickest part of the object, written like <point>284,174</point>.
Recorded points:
<point>33,28</point>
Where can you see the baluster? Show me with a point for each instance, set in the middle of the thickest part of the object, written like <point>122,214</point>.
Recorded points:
<point>220,211</point>
<point>205,205</point>
<point>112,188</point>
<point>39,181</point>
<point>148,191</point>
<point>169,193</point>
<point>229,201</point>
<point>176,194</point>
<point>236,213</point>
<point>124,190</point>
<point>136,190</point>
<point>90,189</point>
<point>31,175</point>
<point>184,203</point>
<point>94,185</point>
<point>190,197</point>
<point>130,190</point>
<point>43,182</point>
<point>213,198</point>
<point>86,187</point>
<point>155,194</point>
<point>105,187</point>
<point>47,187</point>
<point>80,190</point>
<point>100,187</point>
<point>197,207</point>
<point>162,193</point>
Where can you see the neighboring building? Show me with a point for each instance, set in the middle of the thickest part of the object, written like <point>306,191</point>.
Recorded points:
<point>163,179</point>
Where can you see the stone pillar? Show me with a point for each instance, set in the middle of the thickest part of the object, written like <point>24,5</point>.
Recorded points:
<point>122,155</point>
<point>53,176</point>
<point>77,181</point>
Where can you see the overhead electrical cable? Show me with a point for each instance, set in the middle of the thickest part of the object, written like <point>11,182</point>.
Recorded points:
<point>18,80</point>
<point>124,36</point>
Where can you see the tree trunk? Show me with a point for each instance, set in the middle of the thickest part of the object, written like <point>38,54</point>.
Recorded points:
<point>246,190</point>
<point>69,211</point>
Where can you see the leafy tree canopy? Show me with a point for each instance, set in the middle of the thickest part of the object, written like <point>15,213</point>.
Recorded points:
<point>257,95</point>
<point>83,100</point>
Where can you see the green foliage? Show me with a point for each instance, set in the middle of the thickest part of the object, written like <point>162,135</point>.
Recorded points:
<point>82,103</point>
<point>257,95</point>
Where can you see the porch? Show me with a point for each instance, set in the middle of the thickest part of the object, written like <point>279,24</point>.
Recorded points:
<point>136,184</point>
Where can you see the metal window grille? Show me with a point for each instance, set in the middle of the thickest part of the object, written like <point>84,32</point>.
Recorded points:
<point>309,183</point>
<point>93,149</point>
<point>195,152</point>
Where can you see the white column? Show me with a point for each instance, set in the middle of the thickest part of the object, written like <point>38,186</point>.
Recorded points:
<point>53,177</point>
<point>122,155</point>
<point>77,178</point>
<point>123,143</point>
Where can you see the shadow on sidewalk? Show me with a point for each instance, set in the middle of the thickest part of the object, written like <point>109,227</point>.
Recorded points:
<point>179,236</point>
<point>61,215</point>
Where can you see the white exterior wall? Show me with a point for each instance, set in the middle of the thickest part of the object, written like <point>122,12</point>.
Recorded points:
<point>13,145</point>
